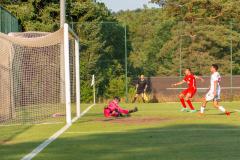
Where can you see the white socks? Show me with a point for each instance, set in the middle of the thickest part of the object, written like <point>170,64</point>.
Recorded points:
<point>222,109</point>
<point>202,109</point>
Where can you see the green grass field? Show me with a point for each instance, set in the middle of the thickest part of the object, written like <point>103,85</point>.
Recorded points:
<point>156,132</point>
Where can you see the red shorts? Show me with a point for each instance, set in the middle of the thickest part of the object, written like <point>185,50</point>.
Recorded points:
<point>190,91</point>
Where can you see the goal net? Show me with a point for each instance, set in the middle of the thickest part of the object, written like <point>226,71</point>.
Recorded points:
<point>39,77</point>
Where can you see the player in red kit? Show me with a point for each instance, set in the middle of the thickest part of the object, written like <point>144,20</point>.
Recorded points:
<point>190,79</point>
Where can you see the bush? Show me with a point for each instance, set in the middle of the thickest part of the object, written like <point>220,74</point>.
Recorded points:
<point>86,92</point>
<point>116,87</point>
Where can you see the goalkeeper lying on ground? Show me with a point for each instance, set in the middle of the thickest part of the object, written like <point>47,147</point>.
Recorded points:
<point>114,110</point>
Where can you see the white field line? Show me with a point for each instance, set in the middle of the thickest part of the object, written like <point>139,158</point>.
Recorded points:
<point>237,110</point>
<point>158,131</point>
<point>31,124</point>
<point>43,145</point>
<point>83,113</point>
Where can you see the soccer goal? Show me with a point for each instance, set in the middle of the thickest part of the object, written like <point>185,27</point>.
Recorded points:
<point>39,77</point>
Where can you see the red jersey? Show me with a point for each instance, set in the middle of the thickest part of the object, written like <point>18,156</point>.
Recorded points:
<point>191,81</point>
<point>113,105</point>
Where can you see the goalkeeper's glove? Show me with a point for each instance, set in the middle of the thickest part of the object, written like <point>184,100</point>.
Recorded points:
<point>133,110</point>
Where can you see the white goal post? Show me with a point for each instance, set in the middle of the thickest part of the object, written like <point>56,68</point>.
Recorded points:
<point>68,30</point>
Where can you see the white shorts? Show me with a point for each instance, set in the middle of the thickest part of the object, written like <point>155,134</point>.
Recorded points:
<point>210,97</point>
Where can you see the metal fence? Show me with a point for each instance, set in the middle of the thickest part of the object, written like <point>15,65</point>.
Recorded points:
<point>8,22</point>
<point>160,88</point>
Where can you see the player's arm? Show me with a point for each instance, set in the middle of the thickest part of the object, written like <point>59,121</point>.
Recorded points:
<point>179,83</point>
<point>198,77</point>
<point>116,107</point>
<point>145,88</point>
<point>137,85</point>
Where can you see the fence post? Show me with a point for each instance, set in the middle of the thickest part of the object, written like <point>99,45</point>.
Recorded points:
<point>126,64</point>
<point>231,50</point>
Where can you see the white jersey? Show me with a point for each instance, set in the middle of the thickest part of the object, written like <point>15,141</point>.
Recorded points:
<point>214,77</point>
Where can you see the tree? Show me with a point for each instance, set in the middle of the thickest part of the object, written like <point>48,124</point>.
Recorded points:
<point>142,26</point>
<point>190,33</point>
<point>102,45</point>
<point>204,33</point>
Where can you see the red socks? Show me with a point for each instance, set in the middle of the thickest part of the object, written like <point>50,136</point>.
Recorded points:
<point>190,105</point>
<point>188,102</point>
<point>183,103</point>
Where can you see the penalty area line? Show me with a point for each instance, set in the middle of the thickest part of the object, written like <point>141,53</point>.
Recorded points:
<point>43,145</point>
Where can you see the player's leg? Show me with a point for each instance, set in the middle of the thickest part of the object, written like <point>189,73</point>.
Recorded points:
<point>135,98</point>
<point>116,114</point>
<point>142,95</point>
<point>208,97</point>
<point>133,110</point>
<point>107,112</point>
<point>123,111</point>
<point>187,98</point>
<point>181,98</point>
<point>221,108</point>
<point>203,106</point>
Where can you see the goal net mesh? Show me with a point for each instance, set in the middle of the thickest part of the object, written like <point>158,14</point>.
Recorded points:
<point>32,77</point>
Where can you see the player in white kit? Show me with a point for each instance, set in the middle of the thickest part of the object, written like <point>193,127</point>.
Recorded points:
<point>214,91</point>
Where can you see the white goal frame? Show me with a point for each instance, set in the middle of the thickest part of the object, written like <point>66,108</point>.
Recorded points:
<point>67,31</point>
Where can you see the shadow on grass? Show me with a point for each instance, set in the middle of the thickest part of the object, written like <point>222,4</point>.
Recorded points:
<point>90,117</point>
<point>8,133</point>
<point>177,142</point>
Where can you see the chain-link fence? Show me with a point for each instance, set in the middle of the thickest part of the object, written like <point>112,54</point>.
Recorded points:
<point>8,22</point>
<point>117,55</point>
<point>161,90</point>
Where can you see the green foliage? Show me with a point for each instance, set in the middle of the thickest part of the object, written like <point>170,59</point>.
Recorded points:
<point>197,32</point>
<point>35,15</point>
<point>102,43</point>
<point>142,25</point>
<point>116,87</point>
<point>86,92</point>
<point>161,62</point>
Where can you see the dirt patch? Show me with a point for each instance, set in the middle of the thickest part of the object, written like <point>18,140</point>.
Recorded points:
<point>130,120</point>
